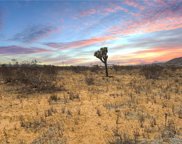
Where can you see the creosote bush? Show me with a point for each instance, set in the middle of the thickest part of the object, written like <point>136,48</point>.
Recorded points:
<point>31,78</point>
<point>152,71</point>
<point>53,98</point>
<point>89,80</point>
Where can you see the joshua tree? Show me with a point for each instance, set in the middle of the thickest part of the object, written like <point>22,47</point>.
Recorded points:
<point>102,55</point>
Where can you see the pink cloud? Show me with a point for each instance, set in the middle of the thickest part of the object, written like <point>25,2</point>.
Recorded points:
<point>151,21</point>
<point>112,8</point>
<point>88,12</point>
<point>13,50</point>
<point>134,4</point>
<point>158,50</point>
<point>81,43</point>
<point>73,61</point>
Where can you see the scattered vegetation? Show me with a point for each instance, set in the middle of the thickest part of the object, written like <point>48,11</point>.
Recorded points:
<point>30,78</point>
<point>152,71</point>
<point>137,105</point>
<point>89,81</point>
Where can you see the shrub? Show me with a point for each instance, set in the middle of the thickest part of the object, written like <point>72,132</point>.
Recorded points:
<point>78,69</point>
<point>169,131</point>
<point>95,69</point>
<point>73,96</point>
<point>89,81</point>
<point>180,113</point>
<point>33,125</point>
<point>53,98</point>
<point>120,139</point>
<point>53,135</point>
<point>152,71</point>
<point>31,78</point>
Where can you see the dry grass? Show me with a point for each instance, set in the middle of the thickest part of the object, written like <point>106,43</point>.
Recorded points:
<point>130,107</point>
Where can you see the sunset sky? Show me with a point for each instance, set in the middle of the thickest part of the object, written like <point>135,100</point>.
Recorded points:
<point>70,31</point>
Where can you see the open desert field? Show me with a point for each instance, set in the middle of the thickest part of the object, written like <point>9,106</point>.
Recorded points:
<point>90,71</point>
<point>81,106</point>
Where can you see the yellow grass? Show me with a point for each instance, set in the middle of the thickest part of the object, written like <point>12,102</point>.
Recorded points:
<point>125,105</point>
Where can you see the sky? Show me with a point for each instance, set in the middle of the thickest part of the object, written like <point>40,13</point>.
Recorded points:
<point>68,32</point>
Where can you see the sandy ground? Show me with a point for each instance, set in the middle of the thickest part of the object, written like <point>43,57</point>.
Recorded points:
<point>125,106</point>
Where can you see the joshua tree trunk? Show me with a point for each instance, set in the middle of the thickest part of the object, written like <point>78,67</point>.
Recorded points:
<point>106,69</point>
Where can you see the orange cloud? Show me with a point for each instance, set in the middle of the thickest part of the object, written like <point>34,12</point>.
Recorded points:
<point>161,50</point>
<point>161,54</point>
<point>156,54</point>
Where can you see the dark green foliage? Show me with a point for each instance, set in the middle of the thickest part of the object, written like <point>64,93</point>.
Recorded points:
<point>102,54</point>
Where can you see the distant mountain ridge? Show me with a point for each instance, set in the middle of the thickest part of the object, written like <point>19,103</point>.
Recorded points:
<point>175,61</point>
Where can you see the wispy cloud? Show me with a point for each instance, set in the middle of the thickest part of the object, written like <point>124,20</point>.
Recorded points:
<point>103,10</point>
<point>1,19</point>
<point>34,33</point>
<point>135,4</point>
<point>160,51</point>
<point>13,50</point>
<point>88,12</point>
<point>65,61</point>
<point>136,31</point>
<point>113,7</point>
<point>155,54</point>
<point>75,61</point>
<point>163,39</point>
<point>166,16</point>
<point>159,46</point>
<point>159,54</point>
<point>80,43</point>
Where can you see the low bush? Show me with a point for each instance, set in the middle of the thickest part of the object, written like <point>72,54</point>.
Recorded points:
<point>152,71</point>
<point>30,78</point>
<point>89,80</point>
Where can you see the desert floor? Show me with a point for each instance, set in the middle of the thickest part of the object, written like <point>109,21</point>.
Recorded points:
<point>93,109</point>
